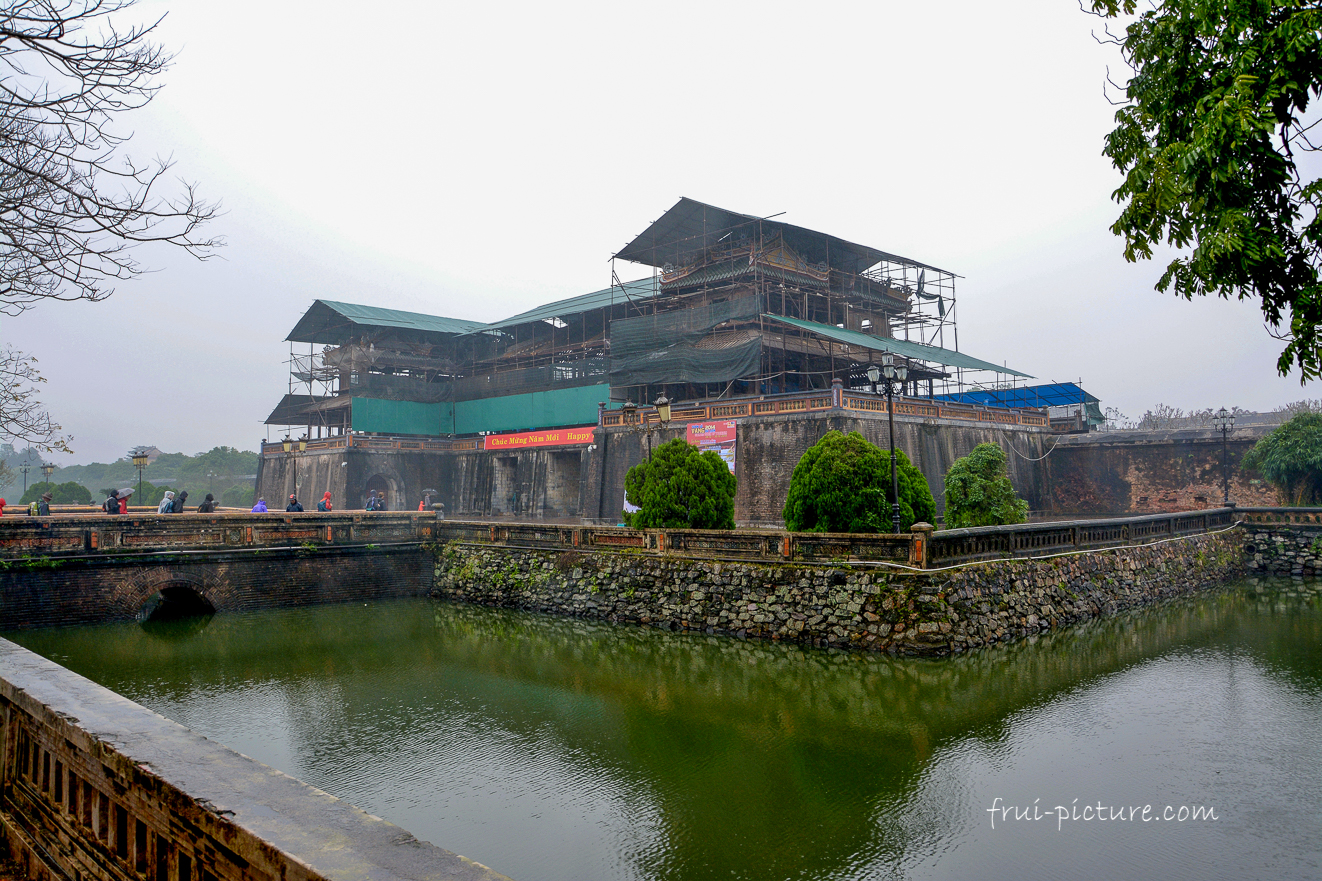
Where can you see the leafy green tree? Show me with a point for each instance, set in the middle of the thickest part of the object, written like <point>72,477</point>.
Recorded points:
<point>35,490</point>
<point>238,496</point>
<point>224,462</point>
<point>680,488</point>
<point>978,491</point>
<point>1217,113</point>
<point>151,494</point>
<point>1291,458</point>
<point>68,493</point>
<point>842,484</point>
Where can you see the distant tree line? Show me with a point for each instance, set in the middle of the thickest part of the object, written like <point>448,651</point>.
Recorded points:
<point>234,476</point>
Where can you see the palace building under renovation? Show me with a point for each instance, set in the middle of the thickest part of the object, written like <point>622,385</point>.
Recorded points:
<point>741,318</point>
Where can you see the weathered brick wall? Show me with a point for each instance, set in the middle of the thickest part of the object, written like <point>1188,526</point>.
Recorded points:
<point>873,609</point>
<point>1146,472</point>
<point>97,787</point>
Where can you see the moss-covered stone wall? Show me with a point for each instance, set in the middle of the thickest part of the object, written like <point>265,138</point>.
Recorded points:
<point>934,613</point>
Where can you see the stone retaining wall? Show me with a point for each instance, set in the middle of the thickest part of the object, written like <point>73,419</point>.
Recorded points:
<point>1272,549</point>
<point>934,613</point>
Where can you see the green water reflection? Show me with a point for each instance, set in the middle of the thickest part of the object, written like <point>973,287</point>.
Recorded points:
<point>550,748</point>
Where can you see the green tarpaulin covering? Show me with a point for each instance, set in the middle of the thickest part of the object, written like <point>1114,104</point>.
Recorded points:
<point>918,351</point>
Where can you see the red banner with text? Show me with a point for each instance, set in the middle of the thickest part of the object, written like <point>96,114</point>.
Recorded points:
<point>551,437</point>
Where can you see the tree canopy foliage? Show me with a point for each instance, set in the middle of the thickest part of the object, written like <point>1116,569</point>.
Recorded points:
<point>231,467</point>
<point>67,493</point>
<point>978,491</point>
<point>680,488</point>
<point>843,482</point>
<point>1218,115</point>
<point>1291,458</point>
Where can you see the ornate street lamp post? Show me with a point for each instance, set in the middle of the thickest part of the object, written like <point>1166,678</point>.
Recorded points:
<point>892,373</point>
<point>663,415</point>
<point>1224,421</point>
<point>139,462</point>
<point>47,469</point>
<point>630,413</point>
<point>288,446</point>
<point>24,468</point>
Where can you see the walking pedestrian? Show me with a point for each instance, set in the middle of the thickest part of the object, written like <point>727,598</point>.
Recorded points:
<point>167,503</point>
<point>325,503</point>
<point>179,500</point>
<point>111,504</point>
<point>293,506</point>
<point>260,507</point>
<point>43,506</point>
<point>208,505</point>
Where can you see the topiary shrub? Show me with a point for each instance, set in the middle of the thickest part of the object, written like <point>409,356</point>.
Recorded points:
<point>978,491</point>
<point>680,488</point>
<point>842,484</point>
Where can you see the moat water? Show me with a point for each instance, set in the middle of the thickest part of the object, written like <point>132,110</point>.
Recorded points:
<point>558,749</point>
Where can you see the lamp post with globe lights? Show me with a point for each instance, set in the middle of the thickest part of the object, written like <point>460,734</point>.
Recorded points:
<point>636,422</point>
<point>1224,421</point>
<point>140,458</point>
<point>892,373</point>
<point>288,446</point>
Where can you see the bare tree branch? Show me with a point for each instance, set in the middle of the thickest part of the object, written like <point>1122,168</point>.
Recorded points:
<point>21,415</point>
<point>72,209</point>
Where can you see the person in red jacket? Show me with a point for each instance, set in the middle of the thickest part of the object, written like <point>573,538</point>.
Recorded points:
<point>325,503</point>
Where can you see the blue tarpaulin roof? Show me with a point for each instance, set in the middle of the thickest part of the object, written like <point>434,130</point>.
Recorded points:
<point>1057,394</point>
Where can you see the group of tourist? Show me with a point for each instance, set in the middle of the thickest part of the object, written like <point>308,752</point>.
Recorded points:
<point>117,502</point>
<point>374,503</point>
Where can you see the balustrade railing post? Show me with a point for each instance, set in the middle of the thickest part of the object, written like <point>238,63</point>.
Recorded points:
<point>920,544</point>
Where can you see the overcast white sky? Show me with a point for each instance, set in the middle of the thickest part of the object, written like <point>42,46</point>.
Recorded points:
<point>475,160</point>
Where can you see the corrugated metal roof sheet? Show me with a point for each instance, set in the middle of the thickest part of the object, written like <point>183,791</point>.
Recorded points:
<point>922,352</point>
<point>332,322</point>
<point>635,290</point>
<point>691,227</point>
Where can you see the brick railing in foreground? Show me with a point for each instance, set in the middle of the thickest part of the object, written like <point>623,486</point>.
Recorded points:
<point>99,788</point>
<point>100,534</point>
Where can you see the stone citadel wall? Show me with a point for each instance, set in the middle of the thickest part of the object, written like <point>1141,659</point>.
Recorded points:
<point>1094,474</point>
